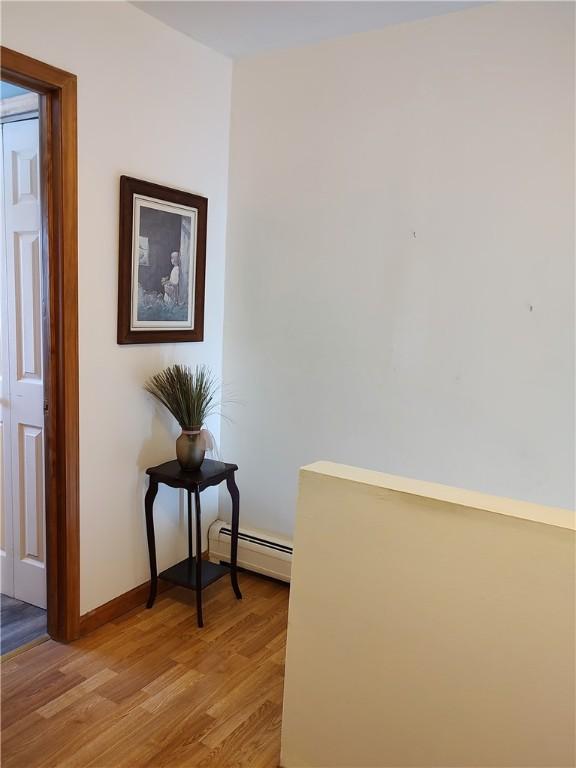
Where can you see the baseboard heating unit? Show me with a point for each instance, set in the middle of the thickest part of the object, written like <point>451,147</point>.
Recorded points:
<point>258,551</point>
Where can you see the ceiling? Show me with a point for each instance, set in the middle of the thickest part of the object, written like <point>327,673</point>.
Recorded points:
<point>247,27</point>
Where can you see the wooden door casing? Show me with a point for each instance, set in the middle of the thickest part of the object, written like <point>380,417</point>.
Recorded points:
<point>59,199</point>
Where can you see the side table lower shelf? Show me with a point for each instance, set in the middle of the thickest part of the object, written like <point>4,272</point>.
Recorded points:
<point>184,573</point>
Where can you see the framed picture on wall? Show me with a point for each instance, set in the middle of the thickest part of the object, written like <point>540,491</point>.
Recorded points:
<point>162,264</point>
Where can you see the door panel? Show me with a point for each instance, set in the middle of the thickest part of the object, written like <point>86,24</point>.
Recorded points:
<point>29,573</point>
<point>24,347</point>
<point>25,175</point>
<point>28,307</point>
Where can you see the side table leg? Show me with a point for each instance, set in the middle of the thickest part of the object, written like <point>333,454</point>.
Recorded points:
<point>198,559</point>
<point>235,496</point>
<point>149,510</point>
<point>190,552</point>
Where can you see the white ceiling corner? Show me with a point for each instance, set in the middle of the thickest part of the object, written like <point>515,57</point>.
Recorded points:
<point>239,28</point>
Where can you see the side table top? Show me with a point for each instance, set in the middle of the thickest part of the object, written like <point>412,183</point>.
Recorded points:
<point>210,473</point>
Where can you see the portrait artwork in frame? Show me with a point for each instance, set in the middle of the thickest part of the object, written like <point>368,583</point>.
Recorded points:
<point>162,264</point>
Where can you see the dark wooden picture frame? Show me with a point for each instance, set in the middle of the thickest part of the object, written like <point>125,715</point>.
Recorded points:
<point>137,196</point>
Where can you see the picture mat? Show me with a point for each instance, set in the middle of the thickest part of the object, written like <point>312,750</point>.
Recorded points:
<point>140,201</point>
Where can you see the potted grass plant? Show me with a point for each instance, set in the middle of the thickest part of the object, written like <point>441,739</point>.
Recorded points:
<point>190,396</point>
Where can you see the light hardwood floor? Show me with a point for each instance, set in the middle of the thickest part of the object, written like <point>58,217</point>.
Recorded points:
<point>151,689</point>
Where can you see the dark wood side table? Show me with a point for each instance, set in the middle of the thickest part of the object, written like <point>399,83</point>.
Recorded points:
<point>193,572</point>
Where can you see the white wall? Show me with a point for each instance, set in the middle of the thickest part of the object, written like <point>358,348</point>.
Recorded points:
<point>446,356</point>
<point>441,635</point>
<point>155,105</point>
<point>400,284</point>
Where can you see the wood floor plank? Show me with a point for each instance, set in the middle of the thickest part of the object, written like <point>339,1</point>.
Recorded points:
<point>27,666</point>
<point>44,740</point>
<point>258,643</point>
<point>165,695</point>
<point>242,745</point>
<point>259,680</point>
<point>75,694</point>
<point>240,708</point>
<point>119,728</point>
<point>143,672</point>
<point>78,743</point>
<point>35,694</point>
<point>188,755</point>
<point>185,738</point>
<point>152,690</point>
<point>35,732</point>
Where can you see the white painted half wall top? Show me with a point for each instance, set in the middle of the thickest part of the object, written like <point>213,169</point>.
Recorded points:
<point>155,105</point>
<point>400,260</point>
<point>442,638</point>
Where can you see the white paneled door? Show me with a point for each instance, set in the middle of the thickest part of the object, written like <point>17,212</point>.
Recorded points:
<point>22,392</point>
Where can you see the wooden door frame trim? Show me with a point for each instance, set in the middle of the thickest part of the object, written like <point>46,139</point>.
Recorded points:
<point>59,199</point>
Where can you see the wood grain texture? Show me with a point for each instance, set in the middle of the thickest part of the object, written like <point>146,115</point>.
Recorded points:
<point>59,196</point>
<point>151,689</point>
<point>30,73</point>
<point>117,607</point>
<point>120,605</point>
